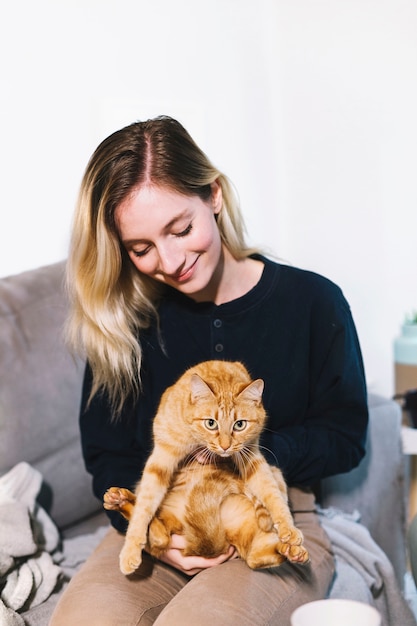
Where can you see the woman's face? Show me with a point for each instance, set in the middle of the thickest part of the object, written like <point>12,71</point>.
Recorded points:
<point>174,238</point>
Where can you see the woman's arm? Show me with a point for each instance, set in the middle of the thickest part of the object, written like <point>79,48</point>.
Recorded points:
<point>111,453</point>
<point>329,438</point>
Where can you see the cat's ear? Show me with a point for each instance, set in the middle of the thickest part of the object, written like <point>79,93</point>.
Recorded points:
<point>253,391</point>
<point>199,389</point>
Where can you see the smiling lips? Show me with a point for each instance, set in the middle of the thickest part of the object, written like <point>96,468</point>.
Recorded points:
<point>185,275</point>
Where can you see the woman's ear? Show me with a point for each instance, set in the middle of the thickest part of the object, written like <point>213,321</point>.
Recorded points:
<point>216,197</point>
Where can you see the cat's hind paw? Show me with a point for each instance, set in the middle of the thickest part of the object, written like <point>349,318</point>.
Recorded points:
<point>291,544</point>
<point>289,534</point>
<point>295,554</point>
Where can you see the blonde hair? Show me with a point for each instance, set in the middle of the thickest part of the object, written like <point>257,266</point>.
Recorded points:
<point>111,301</point>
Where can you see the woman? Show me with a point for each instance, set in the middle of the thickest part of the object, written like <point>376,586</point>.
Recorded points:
<point>161,279</point>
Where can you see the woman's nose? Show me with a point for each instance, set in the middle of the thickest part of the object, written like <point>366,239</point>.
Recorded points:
<point>171,259</point>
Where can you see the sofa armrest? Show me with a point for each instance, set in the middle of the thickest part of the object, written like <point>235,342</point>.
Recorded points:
<point>377,488</point>
<point>40,391</point>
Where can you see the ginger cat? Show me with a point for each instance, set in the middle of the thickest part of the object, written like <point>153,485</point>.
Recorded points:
<point>229,496</point>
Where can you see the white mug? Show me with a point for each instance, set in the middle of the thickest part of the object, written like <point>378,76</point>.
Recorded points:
<point>335,612</point>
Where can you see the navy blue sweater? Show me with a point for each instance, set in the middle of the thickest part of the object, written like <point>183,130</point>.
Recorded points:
<point>294,330</point>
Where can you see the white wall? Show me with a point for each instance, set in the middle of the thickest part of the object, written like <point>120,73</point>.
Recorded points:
<point>309,106</point>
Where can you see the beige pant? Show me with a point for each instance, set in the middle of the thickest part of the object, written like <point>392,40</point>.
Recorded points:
<point>226,595</point>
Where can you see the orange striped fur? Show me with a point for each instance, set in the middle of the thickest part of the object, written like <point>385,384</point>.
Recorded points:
<point>206,477</point>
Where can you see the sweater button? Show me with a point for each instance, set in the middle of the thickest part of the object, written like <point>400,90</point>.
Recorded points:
<point>218,347</point>
<point>217,323</point>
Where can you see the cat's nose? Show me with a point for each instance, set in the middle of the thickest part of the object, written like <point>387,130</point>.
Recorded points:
<point>225,445</point>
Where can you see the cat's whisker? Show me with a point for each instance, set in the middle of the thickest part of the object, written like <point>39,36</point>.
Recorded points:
<point>245,466</point>
<point>243,461</point>
<point>212,457</point>
<point>248,460</point>
<point>235,457</point>
<point>265,449</point>
<point>248,452</point>
<point>193,462</point>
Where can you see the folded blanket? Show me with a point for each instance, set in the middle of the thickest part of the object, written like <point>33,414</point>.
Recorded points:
<point>28,538</point>
<point>8,617</point>
<point>33,559</point>
<point>357,553</point>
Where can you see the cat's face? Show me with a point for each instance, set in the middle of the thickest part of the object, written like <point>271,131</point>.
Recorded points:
<point>226,418</point>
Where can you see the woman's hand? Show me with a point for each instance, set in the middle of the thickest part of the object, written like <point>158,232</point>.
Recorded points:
<point>192,565</point>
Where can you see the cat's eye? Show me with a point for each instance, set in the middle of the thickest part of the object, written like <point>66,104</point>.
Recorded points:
<point>211,424</point>
<point>240,425</point>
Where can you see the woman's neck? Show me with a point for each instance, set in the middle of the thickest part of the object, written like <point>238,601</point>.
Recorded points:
<point>235,277</point>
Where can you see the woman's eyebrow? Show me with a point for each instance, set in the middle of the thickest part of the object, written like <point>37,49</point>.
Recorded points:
<point>166,228</point>
<point>175,219</point>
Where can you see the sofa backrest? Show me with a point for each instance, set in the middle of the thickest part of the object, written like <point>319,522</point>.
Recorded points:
<point>40,387</point>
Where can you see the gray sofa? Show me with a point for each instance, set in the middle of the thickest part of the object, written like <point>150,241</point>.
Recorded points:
<point>40,384</point>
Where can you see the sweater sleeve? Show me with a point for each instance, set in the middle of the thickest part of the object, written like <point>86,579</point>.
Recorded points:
<point>111,453</point>
<point>330,437</point>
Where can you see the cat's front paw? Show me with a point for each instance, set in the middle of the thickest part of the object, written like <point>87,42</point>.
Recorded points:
<point>130,557</point>
<point>119,499</point>
<point>116,498</point>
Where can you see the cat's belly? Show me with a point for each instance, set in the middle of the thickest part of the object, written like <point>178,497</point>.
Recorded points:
<point>200,487</point>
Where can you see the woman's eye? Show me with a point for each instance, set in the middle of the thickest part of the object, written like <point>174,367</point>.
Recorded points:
<point>185,232</point>
<point>210,424</point>
<point>140,253</point>
<point>240,425</point>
